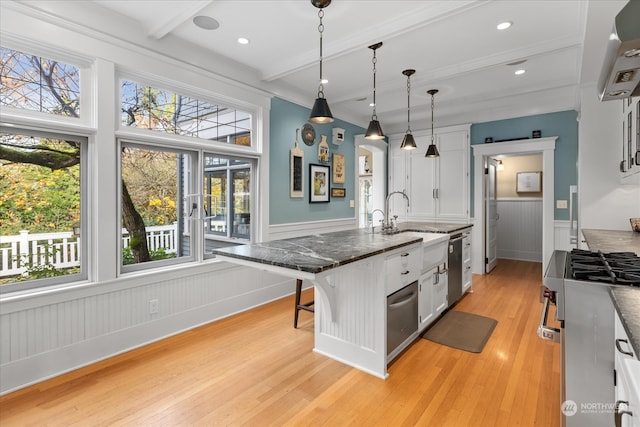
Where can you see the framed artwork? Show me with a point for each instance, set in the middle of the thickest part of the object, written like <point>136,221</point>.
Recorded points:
<point>529,182</point>
<point>296,185</point>
<point>318,183</point>
<point>338,192</point>
<point>338,168</point>
<point>296,172</point>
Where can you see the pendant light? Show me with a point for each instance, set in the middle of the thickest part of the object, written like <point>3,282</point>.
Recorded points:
<point>320,113</point>
<point>432,151</point>
<point>374,131</point>
<point>408,143</point>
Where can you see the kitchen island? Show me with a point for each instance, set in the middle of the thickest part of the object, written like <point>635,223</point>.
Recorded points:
<point>353,272</point>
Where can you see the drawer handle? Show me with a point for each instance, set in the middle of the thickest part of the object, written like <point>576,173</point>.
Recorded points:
<point>619,347</point>
<point>405,272</point>
<point>404,254</point>
<point>617,416</point>
<point>469,268</point>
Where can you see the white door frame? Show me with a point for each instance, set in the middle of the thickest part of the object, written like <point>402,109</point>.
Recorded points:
<point>529,146</point>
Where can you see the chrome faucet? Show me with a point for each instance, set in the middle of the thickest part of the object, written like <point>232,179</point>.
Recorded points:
<point>389,226</point>
<point>381,221</point>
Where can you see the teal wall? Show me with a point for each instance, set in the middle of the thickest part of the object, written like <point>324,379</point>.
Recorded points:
<point>286,117</point>
<point>563,124</point>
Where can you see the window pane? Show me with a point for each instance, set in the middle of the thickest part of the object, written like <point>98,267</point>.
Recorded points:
<point>34,83</point>
<point>155,212</point>
<point>227,201</point>
<point>164,111</point>
<point>241,203</point>
<point>40,209</point>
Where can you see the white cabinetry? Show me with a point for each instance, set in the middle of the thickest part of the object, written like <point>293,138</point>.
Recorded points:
<point>466,261</point>
<point>627,368</point>
<point>437,188</point>
<point>630,162</point>
<point>403,268</point>
<point>426,312</point>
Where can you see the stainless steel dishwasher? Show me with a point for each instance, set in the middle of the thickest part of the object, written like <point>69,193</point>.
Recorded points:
<point>455,269</point>
<point>402,315</point>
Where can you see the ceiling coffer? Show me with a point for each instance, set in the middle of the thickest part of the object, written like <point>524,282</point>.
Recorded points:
<point>620,75</point>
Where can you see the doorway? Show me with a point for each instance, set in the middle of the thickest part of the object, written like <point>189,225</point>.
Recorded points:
<point>481,154</point>
<point>371,178</point>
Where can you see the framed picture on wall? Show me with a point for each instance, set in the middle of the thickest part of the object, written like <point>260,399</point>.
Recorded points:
<point>318,183</point>
<point>338,192</point>
<point>529,182</point>
<point>338,168</point>
<point>296,174</point>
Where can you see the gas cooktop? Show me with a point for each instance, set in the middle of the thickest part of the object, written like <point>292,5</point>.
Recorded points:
<point>616,268</point>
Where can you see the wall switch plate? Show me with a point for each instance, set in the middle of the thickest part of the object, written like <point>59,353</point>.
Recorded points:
<point>352,204</point>
<point>561,204</point>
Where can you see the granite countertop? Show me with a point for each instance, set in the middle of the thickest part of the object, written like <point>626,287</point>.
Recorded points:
<point>627,303</point>
<point>319,252</point>
<point>612,240</point>
<point>432,227</point>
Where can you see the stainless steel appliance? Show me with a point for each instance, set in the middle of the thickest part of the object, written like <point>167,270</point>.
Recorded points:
<point>578,284</point>
<point>455,269</point>
<point>402,316</point>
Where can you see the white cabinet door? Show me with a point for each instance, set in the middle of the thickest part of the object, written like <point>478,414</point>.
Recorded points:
<point>425,298</point>
<point>437,188</point>
<point>440,287</point>
<point>453,176</point>
<point>422,184</point>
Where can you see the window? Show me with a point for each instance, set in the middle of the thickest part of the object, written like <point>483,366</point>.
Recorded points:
<point>151,108</point>
<point>188,200</point>
<point>35,83</point>
<point>41,205</point>
<point>227,200</point>
<point>157,206</point>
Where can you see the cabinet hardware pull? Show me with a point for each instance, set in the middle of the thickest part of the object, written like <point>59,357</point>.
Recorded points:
<point>405,272</point>
<point>619,347</point>
<point>404,254</point>
<point>617,415</point>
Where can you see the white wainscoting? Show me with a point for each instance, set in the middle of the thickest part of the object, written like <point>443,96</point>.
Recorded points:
<point>520,229</point>
<point>45,335</point>
<point>298,229</point>
<point>64,328</point>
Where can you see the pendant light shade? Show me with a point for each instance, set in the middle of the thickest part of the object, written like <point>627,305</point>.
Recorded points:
<point>408,143</point>
<point>320,113</point>
<point>374,131</point>
<point>432,151</point>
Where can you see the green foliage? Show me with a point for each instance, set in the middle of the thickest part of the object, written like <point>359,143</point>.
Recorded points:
<point>38,199</point>
<point>161,253</point>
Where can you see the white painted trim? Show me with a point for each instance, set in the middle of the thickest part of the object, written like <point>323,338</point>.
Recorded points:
<point>480,152</point>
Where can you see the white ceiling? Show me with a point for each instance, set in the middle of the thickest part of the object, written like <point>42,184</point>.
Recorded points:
<point>453,46</point>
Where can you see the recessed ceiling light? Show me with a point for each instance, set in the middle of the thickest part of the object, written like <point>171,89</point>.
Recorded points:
<point>504,25</point>
<point>243,40</point>
<point>324,81</point>
<point>520,72</point>
<point>205,22</point>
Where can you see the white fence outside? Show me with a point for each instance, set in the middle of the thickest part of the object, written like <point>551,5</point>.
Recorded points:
<point>19,252</point>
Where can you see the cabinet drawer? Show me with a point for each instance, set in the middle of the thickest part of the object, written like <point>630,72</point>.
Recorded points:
<point>403,268</point>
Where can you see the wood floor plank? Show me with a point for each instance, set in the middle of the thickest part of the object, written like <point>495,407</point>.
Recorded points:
<point>255,369</point>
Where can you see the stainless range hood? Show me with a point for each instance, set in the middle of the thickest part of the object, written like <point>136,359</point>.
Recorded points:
<point>620,75</point>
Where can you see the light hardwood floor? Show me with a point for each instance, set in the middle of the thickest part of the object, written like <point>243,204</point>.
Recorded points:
<point>255,369</point>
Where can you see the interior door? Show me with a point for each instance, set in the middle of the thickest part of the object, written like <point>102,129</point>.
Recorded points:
<point>491,215</point>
